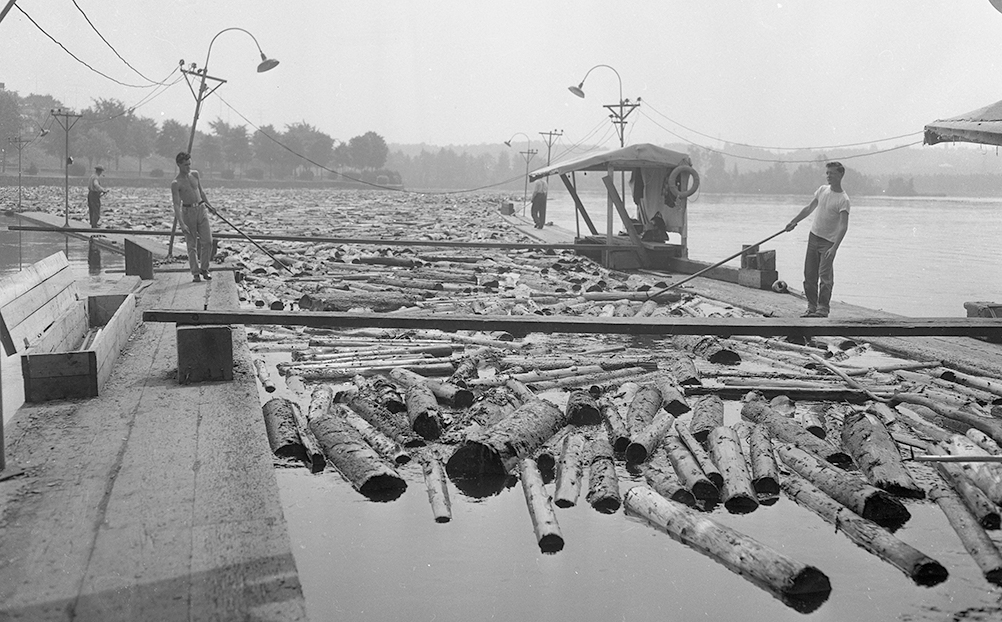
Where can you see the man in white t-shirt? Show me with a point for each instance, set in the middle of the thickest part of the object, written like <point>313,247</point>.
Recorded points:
<point>830,225</point>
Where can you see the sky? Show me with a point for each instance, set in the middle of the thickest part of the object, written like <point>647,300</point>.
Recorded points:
<point>794,73</point>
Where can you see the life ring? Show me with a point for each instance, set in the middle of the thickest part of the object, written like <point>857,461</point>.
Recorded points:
<point>673,181</point>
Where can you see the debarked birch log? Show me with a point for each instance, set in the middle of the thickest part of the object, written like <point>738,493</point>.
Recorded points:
<point>384,445</point>
<point>762,457</point>
<point>648,439</point>
<point>616,428</point>
<point>787,431</point>
<point>854,493</point>
<point>356,460</point>
<point>263,376</point>
<point>919,567</point>
<point>661,476</point>
<point>500,447</point>
<point>603,482</point>
<point>798,585</point>
<point>875,452</point>
<point>736,492</point>
<point>702,457</point>
<point>688,471</point>
<point>544,519</point>
<point>570,470</point>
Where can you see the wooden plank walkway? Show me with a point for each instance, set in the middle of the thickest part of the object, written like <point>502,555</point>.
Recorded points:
<point>663,326</point>
<point>154,501</point>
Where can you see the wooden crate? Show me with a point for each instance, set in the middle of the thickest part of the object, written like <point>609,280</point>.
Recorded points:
<point>68,345</point>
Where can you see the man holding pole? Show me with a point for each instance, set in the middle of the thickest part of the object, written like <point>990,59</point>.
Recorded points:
<point>830,225</point>
<point>191,209</point>
<point>94,193</point>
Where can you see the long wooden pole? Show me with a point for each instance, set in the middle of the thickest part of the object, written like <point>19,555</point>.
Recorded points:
<point>718,264</point>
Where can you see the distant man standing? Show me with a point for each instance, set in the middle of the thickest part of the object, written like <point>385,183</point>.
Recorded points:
<point>830,225</point>
<point>539,190</point>
<point>94,193</point>
<point>190,208</point>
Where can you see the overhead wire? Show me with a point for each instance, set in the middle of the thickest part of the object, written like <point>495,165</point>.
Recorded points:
<point>78,59</point>
<point>106,42</point>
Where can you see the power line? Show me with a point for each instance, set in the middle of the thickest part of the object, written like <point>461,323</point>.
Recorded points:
<point>869,142</point>
<point>94,28</point>
<point>76,58</point>
<point>775,160</point>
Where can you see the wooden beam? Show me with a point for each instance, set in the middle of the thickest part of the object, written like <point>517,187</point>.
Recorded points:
<point>610,185</point>
<point>666,325</point>
<point>578,205</point>
<point>327,240</point>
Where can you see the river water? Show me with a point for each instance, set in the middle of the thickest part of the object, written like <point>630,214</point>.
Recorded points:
<point>365,561</point>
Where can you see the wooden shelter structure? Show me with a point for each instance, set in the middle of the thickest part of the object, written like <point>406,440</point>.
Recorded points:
<point>660,182</point>
<point>982,126</point>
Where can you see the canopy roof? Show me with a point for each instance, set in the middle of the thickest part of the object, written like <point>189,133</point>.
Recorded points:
<point>983,126</point>
<point>633,156</point>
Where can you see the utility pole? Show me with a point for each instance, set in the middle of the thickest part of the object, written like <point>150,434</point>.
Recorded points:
<point>20,143</point>
<point>63,118</point>
<point>527,154</point>
<point>618,113</point>
<point>550,138</point>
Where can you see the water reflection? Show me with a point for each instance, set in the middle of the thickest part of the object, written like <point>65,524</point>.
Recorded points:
<point>93,258</point>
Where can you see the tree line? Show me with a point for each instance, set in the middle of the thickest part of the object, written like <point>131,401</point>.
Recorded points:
<point>107,131</point>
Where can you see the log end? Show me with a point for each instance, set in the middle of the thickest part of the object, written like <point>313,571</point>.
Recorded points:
<point>991,521</point>
<point>428,426</point>
<point>676,407</point>
<point>725,357</point>
<point>636,454</point>
<point>551,543</point>
<point>766,485</point>
<point>463,398</point>
<point>384,487</point>
<point>906,492</point>
<point>994,576</point>
<point>886,511</point>
<point>839,459</point>
<point>473,459</point>
<point>705,491</point>
<point>585,415</point>
<point>808,590</point>
<point>620,443</point>
<point>606,504</point>
<point>317,463</point>
<point>741,504</point>
<point>716,479</point>
<point>929,573</point>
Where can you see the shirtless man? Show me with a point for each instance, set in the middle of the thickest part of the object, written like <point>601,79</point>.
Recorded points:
<point>190,205</point>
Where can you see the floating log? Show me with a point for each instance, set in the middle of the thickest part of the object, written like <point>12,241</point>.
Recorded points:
<point>438,487</point>
<point>547,456</point>
<point>683,370</point>
<point>870,444</point>
<point>812,422</point>
<point>709,348</point>
<point>498,450</point>
<point>569,471</point>
<point>986,512</point>
<point>644,406</point>
<point>394,425</point>
<point>356,460</point>
<point>648,439</point>
<point>544,519</point>
<point>800,586</point>
<point>992,386</point>
<point>761,457</point>
<point>736,492</point>
<point>707,413</point>
<point>314,452</point>
<point>616,428</point>
<point>987,476</point>
<point>672,399</point>
<point>384,392</point>
<point>978,544</point>
<point>384,445</point>
<point>445,392</point>
<point>492,406</point>
<point>263,376</point>
<point>602,378</point>
<point>422,411</point>
<point>603,482</point>
<point>702,457</point>
<point>991,427</point>
<point>334,300</point>
<point>984,441</point>
<point>919,567</point>
<point>280,426</point>
<point>688,471</point>
<point>789,432</point>
<point>582,408</point>
<point>868,501</point>
<point>661,476</point>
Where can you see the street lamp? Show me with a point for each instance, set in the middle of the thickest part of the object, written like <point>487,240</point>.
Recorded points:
<point>527,154</point>
<point>618,112</point>
<point>266,64</point>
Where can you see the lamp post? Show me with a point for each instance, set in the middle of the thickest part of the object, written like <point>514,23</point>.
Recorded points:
<point>527,154</point>
<point>20,144</point>
<point>204,91</point>
<point>618,112</point>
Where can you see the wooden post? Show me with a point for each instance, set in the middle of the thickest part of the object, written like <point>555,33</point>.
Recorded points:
<point>798,585</point>
<point>920,568</point>
<point>862,498</point>
<point>736,491</point>
<point>544,519</point>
